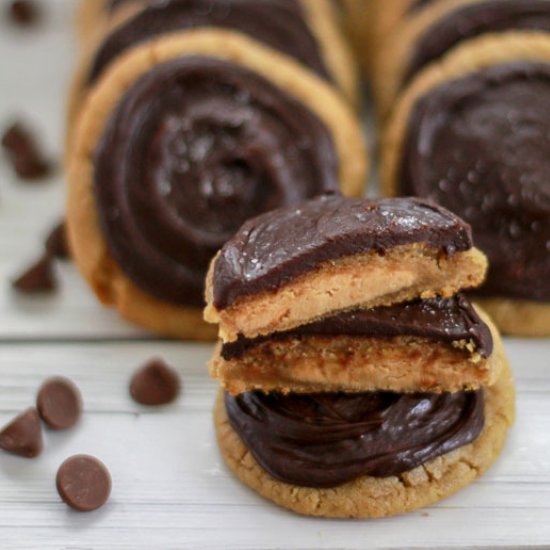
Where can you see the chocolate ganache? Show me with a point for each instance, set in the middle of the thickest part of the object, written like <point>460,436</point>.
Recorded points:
<point>271,250</point>
<point>445,320</point>
<point>280,24</point>
<point>480,146</point>
<point>324,440</point>
<point>193,149</point>
<point>476,19</point>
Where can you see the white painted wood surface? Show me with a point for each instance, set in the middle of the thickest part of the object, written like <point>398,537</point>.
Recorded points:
<point>170,488</point>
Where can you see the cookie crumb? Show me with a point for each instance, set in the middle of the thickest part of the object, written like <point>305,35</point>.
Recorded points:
<point>39,278</point>
<point>155,384</point>
<point>22,149</point>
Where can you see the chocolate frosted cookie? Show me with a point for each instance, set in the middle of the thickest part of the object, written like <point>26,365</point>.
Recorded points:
<point>340,458</point>
<point>304,31</point>
<point>180,143</point>
<point>430,33</point>
<point>480,117</point>
<point>298,264</point>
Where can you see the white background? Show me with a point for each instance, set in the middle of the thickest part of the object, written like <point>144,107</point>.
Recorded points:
<point>170,488</point>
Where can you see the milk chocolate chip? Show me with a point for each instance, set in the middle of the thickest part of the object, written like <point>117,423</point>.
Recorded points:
<point>39,278</point>
<point>56,243</point>
<point>59,403</point>
<point>23,435</point>
<point>22,149</point>
<point>84,483</point>
<point>155,384</point>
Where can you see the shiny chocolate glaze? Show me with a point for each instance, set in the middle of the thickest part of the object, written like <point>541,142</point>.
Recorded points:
<point>324,440</point>
<point>273,249</point>
<point>193,149</point>
<point>280,24</point>
<point>480,146</point>
<point>444,320</point>
<point>476,19</point>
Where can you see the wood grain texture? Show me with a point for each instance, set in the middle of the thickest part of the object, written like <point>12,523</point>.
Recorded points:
<point>170,488</point>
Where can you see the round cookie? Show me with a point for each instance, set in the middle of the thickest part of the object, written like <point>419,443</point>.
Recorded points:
<point>531,319</point>
<point>433,31</point>
<point>98,24</point>
<point>370,497</point>
<point>90,249</point>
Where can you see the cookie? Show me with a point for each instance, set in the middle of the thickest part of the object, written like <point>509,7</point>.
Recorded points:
<point>243,145</point>
<point>370,496</point>
<point>424,346</point>
<point>427,36</point>
<point>296,265</point>
<point>305,30</point>
<point>498,179</point>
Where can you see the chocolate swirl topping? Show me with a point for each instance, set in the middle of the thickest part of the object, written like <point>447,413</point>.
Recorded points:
<point>324,440</point>
<point>480,145</point>
<point>445,320</point>
<point>280,24</point>
<point>473,20</point>
<point>193,149</point>
<point>271,250</point>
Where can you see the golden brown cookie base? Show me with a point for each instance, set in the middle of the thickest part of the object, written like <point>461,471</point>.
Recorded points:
<point>357,364</point>
<point>89,247</point>
<point>365,280</point>
<point>370,497</point>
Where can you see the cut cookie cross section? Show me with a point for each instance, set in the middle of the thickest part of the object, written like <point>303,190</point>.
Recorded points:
<point>293,266</point>
<point>434,345</point>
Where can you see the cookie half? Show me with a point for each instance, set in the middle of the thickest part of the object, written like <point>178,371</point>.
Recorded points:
<point>369,496</point>
<point>432,345</point>
<point>294,266</point>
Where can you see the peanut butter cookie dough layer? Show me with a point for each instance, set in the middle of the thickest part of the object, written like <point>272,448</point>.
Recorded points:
<point>489,97</point>
<point>368,496</point>
<point>182,140</point>
<point>429,34</point>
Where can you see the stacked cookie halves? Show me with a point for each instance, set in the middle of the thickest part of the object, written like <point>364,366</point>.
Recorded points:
<point>357,381</point>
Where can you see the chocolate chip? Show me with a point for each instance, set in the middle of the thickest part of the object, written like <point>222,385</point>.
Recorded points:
<point>22,149</point>
<point>59,403</point>
<point>56,242</point>
<point>155,384</point>
<point>83,482</point>
<point>23,435</point>
<point>39,278</point>
<point>24,12</point>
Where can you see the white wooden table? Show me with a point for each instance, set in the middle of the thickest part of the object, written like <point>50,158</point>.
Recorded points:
<point>170,487</point>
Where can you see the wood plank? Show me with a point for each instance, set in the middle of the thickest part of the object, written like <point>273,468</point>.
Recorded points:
<point>171,489</point>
